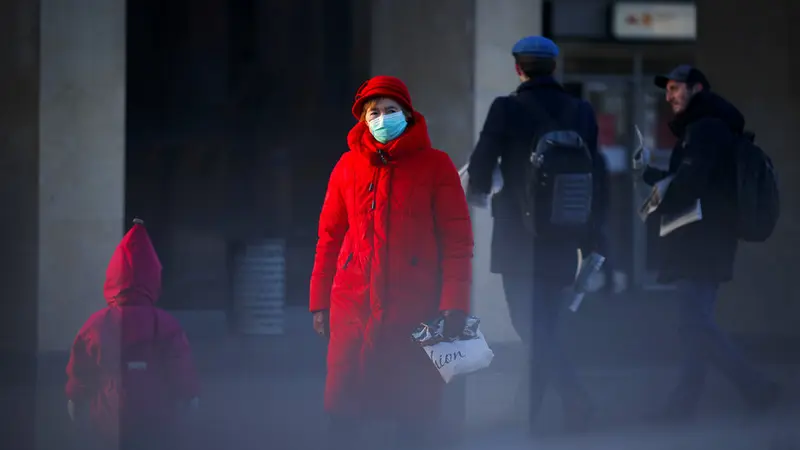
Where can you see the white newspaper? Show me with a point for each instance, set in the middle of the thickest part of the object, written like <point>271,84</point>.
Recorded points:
<point>587,268</point>
<point>653,201</point>
<point>669,222</point>
<point>672,222</point>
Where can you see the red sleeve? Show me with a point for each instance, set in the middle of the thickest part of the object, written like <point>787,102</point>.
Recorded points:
<point>180,368</point>
<point>79,370</point>
<point>332,228</point>
<point>454,233</point>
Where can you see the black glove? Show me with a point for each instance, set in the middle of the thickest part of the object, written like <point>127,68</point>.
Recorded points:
<point>321,323</point>
<point>454,323</point>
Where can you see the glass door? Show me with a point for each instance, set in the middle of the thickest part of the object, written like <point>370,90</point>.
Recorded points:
<point>620,107</point>
<point>613,103</point>
<point>654,125</point>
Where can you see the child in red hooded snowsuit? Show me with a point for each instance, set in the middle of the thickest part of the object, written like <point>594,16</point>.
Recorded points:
<point>130,366</point>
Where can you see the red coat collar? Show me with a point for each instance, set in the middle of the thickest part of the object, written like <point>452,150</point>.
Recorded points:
<point>413,139</point>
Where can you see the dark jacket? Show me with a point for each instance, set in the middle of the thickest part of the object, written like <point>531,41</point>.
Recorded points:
<point>508,133</point>
<point>703,162</point>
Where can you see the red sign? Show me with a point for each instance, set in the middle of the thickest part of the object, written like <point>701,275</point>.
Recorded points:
<point>665,140</point>
<point>607,129</point>
<point>646,20</point>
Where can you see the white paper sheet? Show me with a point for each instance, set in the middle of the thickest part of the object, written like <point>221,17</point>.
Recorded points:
<point>672,222</point>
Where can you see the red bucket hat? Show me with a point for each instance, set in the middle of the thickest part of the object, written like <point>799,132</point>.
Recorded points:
<point>382,86</point>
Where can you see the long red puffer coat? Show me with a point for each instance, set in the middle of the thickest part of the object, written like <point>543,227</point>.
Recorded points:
<point>395,248</point>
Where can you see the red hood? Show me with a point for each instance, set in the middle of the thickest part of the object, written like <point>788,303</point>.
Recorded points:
<point>134,273</point>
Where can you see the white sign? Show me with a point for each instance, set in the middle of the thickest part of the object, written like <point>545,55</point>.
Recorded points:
<point>654,21</point>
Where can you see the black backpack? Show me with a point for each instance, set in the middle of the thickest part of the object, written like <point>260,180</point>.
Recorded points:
<point>556,200</point>
<point>758,201</point>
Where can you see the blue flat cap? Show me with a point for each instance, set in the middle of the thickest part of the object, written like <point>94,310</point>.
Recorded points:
<point>537,46</point>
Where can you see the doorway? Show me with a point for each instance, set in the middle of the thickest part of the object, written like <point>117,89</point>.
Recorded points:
<point>622,103</point>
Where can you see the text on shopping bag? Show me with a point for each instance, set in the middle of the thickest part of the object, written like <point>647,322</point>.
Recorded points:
<point>461,357</point>
<point>442,359</point>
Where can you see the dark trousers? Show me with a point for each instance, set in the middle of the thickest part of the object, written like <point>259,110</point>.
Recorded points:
<point>534,306</point>
<point>704,345</point>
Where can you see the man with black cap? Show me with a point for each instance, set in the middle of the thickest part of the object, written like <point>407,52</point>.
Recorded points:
<point>698,257</point>
<point>534,270</point>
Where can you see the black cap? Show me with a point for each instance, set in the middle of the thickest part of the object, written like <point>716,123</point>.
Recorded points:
<point>683,74</point>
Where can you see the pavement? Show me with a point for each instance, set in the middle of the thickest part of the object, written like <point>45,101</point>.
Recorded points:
<point>248,411</point>
<point>266,393</point>
<point>283,412</point>
<point>708,434</point>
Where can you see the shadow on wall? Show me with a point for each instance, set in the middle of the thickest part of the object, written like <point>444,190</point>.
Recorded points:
<point>215,188</point>
<point>181,190</point>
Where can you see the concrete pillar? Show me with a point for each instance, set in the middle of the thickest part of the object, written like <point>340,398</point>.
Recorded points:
<point>455,56</point>
<point>62,159</point>
<point>496,31</point>
<point>81,159</point>
<point>758,78</point>
<point>493,400</point>
<point>19,176</point>
<point>430,46</point>
<point>62,120</point>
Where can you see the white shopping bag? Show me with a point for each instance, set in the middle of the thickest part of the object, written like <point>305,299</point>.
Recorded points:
<point>460,357</point>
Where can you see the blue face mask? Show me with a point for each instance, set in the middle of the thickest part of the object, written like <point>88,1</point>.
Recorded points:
<point>388,126</point>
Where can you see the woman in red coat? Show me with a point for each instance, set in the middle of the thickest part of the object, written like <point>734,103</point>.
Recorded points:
<point>395,249</point>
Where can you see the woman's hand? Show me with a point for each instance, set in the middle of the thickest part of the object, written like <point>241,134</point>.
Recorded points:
<point>454,323</point>
<point>321,323</point>
<point>77,412</point>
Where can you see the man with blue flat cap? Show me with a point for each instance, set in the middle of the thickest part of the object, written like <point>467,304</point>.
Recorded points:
<point>545,142</point>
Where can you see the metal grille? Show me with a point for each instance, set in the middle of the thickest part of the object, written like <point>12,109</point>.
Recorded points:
<point>572,199</point>
<point>259,288</point>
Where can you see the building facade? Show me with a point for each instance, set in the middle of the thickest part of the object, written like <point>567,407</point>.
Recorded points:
<point>64,113</point>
